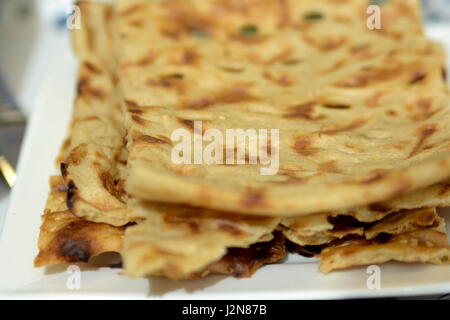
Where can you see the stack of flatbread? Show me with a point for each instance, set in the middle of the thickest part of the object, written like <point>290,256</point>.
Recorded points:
<point>362,111</point>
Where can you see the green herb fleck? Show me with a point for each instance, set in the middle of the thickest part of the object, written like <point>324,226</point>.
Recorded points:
<point>249,30</point>
<point>173,76</point>
<point>313,16</point>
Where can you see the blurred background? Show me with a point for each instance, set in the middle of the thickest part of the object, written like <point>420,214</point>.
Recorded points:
<point>34,39</point>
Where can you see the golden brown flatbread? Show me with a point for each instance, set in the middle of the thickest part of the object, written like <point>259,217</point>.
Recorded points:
<point>322,229</point>
<point>93,157</point>
<point>176,241</point>
<point>427,245</point>
<point>65,238</point>
<point>363,114</point>
<point>244,262</point>
<point>436,195</point>
<point>94,174</point>
<point>404,221</point>
<point>182,61</point>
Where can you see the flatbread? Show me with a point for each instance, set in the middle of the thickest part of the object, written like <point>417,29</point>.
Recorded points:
<point>244,262</point>
<point>182,242</point>
<point>94,173</point>
<point>94,157</point>
<point>317,229</point>
<point>320,229</point>
<point>65,238</point>
<point>404,221</point>
<point>177,241</point>
<point>362,114</point>
<point>437,195</point>
<point>426,246</point>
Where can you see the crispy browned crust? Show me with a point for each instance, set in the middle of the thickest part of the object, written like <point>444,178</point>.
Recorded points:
<point>65,238</point>
<point>419,238</point>
<point>244,262</point>
<point>428,245</point>
<point>323,228</point>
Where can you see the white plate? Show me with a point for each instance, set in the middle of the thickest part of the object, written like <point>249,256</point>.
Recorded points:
<point>297,278</point>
